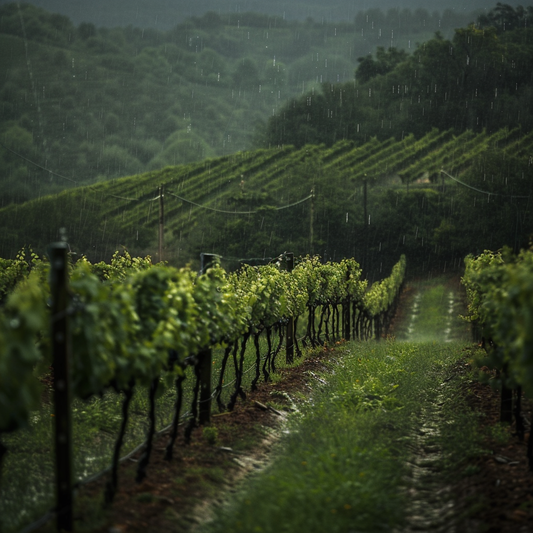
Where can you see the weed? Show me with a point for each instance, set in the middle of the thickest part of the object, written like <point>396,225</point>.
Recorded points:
<point>145,497</point>
<point>277,406</point>
<point>470,470</point>
<point>500,433</point>
<point>210,434</point>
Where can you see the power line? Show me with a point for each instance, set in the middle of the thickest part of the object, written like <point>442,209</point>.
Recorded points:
<point>236,212</point>
<point>479,190</point>
<point>37,164</point>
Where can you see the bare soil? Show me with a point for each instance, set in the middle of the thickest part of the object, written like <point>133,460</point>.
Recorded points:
<point>501,487</point>
<point>176,496</point>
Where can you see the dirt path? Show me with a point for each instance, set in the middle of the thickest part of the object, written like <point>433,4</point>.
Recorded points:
<point>497,495</point>
<point>430,311</point>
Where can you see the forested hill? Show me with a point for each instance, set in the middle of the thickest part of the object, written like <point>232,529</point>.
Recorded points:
<point>482,78</point>
<point>435,199</point>
<point>80,104</point>
<point>164,14</point>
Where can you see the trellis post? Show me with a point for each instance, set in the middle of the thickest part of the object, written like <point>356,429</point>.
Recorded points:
<point>61,350</point>
<point>346,312</point>
<point>289,347</point>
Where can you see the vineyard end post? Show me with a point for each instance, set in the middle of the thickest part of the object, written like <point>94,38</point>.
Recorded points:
<point>289,347</point>
<point>346,312</point>
<point>61,349</point>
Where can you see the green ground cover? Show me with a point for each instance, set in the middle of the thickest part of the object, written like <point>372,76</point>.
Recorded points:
<point>346,461</point>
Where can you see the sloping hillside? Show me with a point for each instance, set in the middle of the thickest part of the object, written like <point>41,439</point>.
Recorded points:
<point>79,104</point>
<point>254,204</point>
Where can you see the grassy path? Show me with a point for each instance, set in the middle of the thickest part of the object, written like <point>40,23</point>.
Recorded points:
<point>374,448</point>
<point>432,312</point>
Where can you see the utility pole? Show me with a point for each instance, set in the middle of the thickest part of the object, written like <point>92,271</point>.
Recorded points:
<point>161,221</point>
<point>365,220</point>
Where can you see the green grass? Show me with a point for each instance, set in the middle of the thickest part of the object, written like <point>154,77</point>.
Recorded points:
<point>433,313</point>
<point>342,466</point>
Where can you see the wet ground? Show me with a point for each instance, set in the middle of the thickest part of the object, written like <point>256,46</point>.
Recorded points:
<point>496,496</point>
<point>495,491</point>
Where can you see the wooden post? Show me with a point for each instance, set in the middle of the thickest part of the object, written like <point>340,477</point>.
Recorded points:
<point>311,221</point>
<point>61,350</point>
<point>205,360</point>
<point>161,222</point>
<point>506,398</point>
<point>365,228</point>
<point>289,347</point>
<point>346,315</point>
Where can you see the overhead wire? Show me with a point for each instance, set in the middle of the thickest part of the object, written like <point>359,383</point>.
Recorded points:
<point>236,212</point>
<point>488,193</point>
<point>37,164</point>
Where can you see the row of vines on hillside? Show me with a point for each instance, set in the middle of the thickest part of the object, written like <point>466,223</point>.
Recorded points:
<point>499,287</point>
<point>134,324</point>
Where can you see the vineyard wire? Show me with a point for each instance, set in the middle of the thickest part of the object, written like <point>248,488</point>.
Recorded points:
<point>479,190</point>
<point>51,514</point>
<point>37,164</point>
<point>237,212</point>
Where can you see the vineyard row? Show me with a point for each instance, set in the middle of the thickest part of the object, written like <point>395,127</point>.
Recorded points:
<point>123,325</point>
<point>499,287</point>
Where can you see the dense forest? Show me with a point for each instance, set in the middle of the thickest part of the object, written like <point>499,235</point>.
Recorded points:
<point>481,78</point>
<point>165,14</point>
<point>80,104</point>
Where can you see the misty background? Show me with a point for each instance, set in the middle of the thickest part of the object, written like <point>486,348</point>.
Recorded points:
<point>163,14</point>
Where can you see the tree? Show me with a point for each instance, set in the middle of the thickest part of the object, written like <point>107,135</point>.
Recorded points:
<point>86,30</point>
<point>385,62</point>
<point>506,18</point>
<point>246,75</point>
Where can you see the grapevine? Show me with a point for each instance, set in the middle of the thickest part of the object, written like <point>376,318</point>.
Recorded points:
<point>132,321</point>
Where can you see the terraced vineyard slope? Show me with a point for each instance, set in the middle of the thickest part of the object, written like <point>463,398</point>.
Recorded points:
<point>310,200</point>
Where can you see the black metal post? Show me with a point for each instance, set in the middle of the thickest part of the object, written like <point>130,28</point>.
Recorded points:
<point>289,347</point>
<point>61,350</point>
